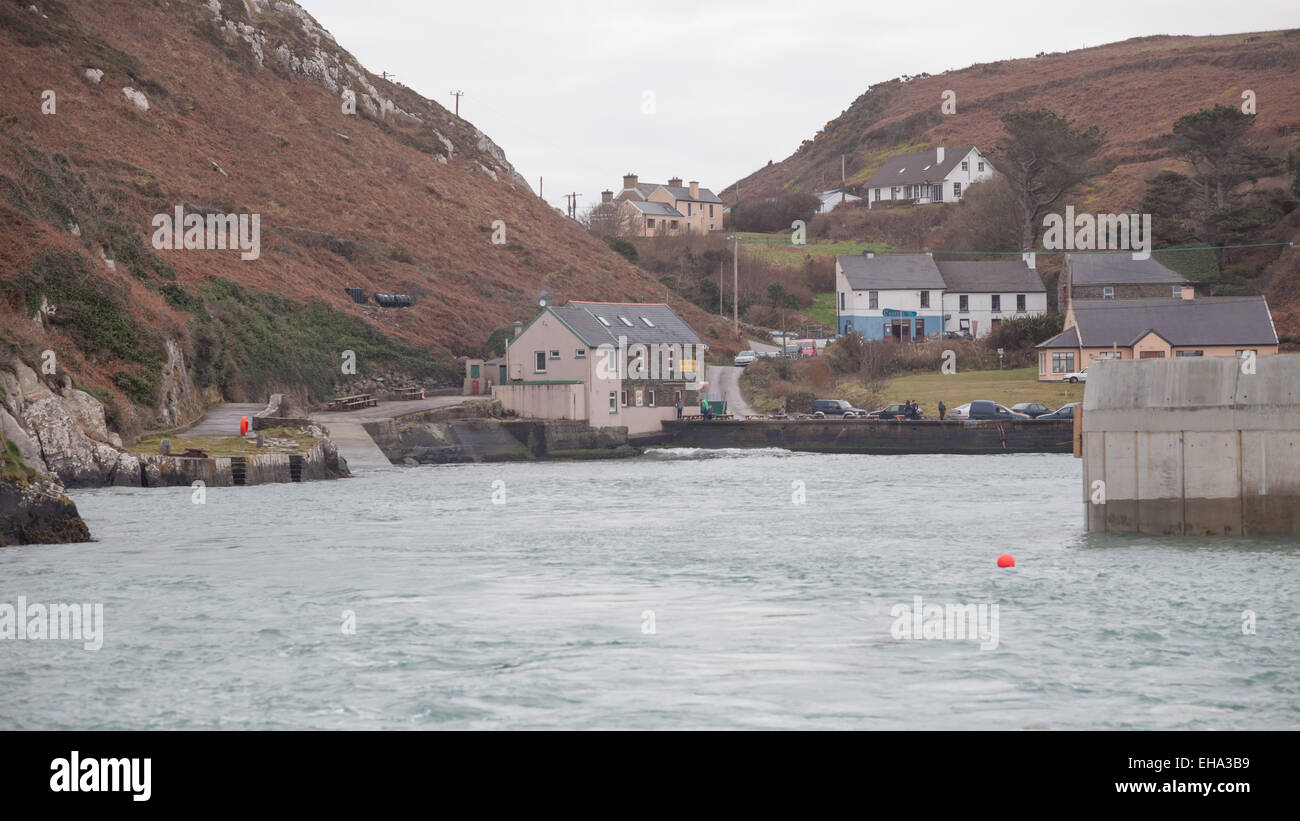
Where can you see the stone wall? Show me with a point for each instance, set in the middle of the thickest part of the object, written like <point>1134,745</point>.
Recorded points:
<point>877,437</point>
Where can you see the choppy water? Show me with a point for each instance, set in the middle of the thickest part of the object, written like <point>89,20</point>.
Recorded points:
<point>766,613</point>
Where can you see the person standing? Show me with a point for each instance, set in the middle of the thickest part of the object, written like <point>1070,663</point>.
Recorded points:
<point>679,407</point>
<point>942,410</point>
<point>704,410</point>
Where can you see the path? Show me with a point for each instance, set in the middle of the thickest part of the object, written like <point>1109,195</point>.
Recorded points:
<point>355,445</point>
<point>223,420</point>
<point>726,379</point>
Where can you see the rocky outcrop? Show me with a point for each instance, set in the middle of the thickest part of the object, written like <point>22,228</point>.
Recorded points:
<point>38,512</point>
<point>179,402</point>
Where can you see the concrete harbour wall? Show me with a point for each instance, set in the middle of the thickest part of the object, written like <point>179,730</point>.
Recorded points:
<point>1193,446</point>
<point>877,437</point>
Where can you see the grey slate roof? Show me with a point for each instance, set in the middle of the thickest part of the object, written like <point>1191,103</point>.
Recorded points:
<point>998,276</point>
<point>655,209</point>
<point>584,318</point>
<point>1224,320</point>
<point>1119,268</point>
<point>685,194</point>
<point>891,272</point>
<point>909,169</point>
<point>643,191</point>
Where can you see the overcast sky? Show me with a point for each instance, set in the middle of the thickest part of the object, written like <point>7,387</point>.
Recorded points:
<point>564,87</point>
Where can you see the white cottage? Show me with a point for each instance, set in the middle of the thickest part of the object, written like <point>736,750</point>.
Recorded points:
<point>937,175</point>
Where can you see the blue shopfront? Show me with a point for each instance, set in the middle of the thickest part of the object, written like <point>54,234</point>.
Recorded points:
<point>893,324</point>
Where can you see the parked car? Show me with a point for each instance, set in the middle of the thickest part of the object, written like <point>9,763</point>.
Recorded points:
<point>957,335</point>
<point>984,409</point>
<point>745,357</point>
<point>836,407</point>
<point>1031,409</point>
<point>893,411</point>
<point>1063,412</point>
<point>1080,375</point>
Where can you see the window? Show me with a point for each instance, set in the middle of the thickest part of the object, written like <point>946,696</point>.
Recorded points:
<point>688,209</point>
<point>674,223</point>
<point>710,212</point>
<point>1178,292</point>
<point>1152,355</point>
<point>473,371</point>
<point>981,166</point>
<point>640,397</point>
<point>677,397</point>
<point>650,398</point>
<point>956,190</point>
<point>650,223</point>
<point>603,321</point>
<point>1020,303</point>
<point>580,353</point>
<point>555,354</point>
<point>925,299</point>
<point>963,304</point>
<point>622,398</point>
<point>877,194</point>
<point>647,322</point>
<point>1108,292</point>
<point>1189,353</point>
<point>625,321</point>
<point>539,361</point>
<point>997,303</point>
<point>613,402</point>
<point>1063,362</point>
<point>965,166</point>
<point>873,298</point>
<point>920,329</point>
<point>963,324</point>
<point>1110,355</point>
<point>894,192</point>
<point>841,300</point>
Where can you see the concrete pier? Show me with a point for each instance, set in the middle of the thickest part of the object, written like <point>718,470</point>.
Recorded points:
<point>1193,446</point>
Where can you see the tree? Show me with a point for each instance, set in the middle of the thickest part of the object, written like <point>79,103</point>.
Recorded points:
<point>1043,156</point>
<point>986,219</point>
<point>605,219</point>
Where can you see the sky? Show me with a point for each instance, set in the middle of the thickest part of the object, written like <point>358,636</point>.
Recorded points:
<point>580,93</point>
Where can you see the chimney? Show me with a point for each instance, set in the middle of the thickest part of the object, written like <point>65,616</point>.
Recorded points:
<point>675,182</point>
<point>938,155</point>
<point>695,189</point>
<point>519,328</point>
<point>1028,258</point>
<point>629,180</point>
<point>606,196</point>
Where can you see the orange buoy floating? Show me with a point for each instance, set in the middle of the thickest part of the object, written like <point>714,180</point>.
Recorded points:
<point>243,426</point>
<point>1006,560</point>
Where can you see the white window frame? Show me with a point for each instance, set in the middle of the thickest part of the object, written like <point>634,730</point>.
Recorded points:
<point>580,353</point>
<point>539,356</point>
<point>613,402</point>
<point>1108,292</point>
<point>555,353</point>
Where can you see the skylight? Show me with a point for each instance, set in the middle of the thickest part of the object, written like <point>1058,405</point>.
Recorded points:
<point>648,323</point>
<point>603,321</point>
<point>625,321</point>
<point>901,170</point>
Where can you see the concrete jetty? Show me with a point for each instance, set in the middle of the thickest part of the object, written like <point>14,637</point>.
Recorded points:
<point>1193,446</point>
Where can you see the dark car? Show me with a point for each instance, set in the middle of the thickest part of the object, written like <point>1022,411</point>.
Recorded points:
<point>1031,409</point>
<point>836,407</point>
<point>893,412</point>
<point>984,409</point>
<point>1063,412</point>
<point>957,335</point>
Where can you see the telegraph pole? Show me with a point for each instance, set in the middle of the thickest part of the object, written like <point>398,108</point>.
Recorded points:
<point>457,95</point>
<point>735,285</point>
<point>842,178</point>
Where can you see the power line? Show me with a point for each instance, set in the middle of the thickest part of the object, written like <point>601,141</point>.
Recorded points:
<point>755,241</point>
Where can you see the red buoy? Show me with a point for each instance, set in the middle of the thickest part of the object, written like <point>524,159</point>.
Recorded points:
<point>243,426</point>
<point>1006,560</point>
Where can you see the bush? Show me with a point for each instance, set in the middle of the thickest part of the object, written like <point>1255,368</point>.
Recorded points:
<point>622,247</point>
<point>774,214</point>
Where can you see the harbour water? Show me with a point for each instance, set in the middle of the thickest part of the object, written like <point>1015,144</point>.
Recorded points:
<point>682,589</point>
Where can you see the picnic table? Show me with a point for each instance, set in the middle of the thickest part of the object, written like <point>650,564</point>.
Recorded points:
<point>353,402</point>
<point>406,394</point>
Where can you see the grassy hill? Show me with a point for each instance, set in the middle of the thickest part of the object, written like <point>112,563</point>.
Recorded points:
<point>246,115</point>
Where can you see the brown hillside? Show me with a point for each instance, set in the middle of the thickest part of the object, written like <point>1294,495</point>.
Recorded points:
<point>398,198</point>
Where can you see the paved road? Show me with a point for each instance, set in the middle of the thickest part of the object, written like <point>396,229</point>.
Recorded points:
<point>726,379</point>
<point>223,420</point>
<point>763,347</point>
<point>389,410</point>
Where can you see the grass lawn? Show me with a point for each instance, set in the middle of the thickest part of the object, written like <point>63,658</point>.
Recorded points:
<point>230,445</point>
<point>776,248</point>
<point>1004,387</point>
<point>823,310</point>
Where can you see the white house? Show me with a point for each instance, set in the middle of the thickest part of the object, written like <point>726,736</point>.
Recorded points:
<point>979,295</point>
<point>895,296</point>
<point>937,175</point>
<point>830,199</point>
<point>911,296</point>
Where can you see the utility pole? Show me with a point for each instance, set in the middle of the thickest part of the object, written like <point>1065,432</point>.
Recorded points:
<point>573,204</point>
<point>721,269</point>
<point>386,76</point>
<point>457,95</point>
<point>735,285</point>
<point>842,178</point>
<point>539,188</point>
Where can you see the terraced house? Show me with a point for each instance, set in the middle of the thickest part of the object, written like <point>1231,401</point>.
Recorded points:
<point>1117,275</point>
<point>1156,328</point>
<point>911,296</point>
<point>605,363</point>
<point>656,209</point>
